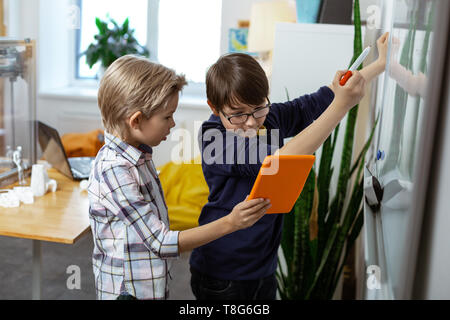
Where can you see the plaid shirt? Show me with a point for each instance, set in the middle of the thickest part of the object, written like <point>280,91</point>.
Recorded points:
<point>130,225</point>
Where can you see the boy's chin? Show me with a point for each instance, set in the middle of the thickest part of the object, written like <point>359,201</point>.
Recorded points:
<point>157,143</point>
<point>250,133</point>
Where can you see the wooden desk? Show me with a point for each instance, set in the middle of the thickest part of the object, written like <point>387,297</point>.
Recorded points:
<point>60,217</point>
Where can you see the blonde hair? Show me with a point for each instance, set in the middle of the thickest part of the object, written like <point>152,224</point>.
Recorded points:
<point>133,84</point>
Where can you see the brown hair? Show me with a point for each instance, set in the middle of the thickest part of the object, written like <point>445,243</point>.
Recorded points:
<point>132,84</point>
<point>236,78</point>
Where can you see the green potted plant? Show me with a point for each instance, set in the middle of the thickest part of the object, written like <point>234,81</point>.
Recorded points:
<point>112,43</point>
<point>318,234</point>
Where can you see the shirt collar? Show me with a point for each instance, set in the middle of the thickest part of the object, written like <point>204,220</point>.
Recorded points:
<point>126,150</point>
<point>215,118</point>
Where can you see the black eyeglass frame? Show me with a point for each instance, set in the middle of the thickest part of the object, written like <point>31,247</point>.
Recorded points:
<point>268,105</point>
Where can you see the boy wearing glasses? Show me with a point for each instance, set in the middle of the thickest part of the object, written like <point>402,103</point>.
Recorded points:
<point>244,128</point>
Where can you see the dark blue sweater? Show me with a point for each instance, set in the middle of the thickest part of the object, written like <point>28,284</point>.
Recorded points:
<point>250,253</point>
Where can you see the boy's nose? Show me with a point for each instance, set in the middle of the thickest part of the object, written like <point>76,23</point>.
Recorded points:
<point>251,122</point>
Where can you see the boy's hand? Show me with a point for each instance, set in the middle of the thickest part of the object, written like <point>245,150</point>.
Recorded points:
<point>351,93</point>
<point>382,45</point>
<point>246,213</point>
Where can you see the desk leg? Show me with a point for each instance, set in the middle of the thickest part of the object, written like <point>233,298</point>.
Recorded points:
<point>37,270</point>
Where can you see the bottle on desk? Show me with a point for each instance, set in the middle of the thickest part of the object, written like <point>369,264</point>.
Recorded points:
<point>40,182</point>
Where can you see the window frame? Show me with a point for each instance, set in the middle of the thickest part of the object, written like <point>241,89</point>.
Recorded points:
<point>192,89</point>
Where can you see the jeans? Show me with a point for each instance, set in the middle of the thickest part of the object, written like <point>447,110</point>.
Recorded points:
<point>207,288</point>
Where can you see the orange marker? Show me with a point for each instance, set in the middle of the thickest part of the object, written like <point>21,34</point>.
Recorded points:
<point>354,66</point>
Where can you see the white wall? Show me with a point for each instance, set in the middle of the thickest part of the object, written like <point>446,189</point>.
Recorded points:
<point>21,19</point>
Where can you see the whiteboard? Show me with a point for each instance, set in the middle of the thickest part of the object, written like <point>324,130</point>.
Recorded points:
<point>402,106</point>
<point>307,56</point>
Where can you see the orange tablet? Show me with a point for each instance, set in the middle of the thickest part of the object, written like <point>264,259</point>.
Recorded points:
<point>281,179</point>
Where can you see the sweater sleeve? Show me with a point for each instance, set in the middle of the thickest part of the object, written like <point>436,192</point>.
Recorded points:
<point>295,115</point>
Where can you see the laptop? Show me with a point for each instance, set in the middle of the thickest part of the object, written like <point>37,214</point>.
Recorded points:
<point>76,168</point>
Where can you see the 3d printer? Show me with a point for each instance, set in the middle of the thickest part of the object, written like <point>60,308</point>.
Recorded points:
<point>17,110</point>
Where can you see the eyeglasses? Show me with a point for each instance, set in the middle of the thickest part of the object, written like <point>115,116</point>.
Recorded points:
<point>243,117</point>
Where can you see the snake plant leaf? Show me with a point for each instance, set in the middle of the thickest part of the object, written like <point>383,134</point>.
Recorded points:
<point>282,280</point>
<point>287,94</point>
<point>324,178</point>
<point>336,255</point>
<point>357,42</point>
<point>356,228</point>
<point>346,157</point>
<point>361,160</point>
<point>363,152</point>
<point>351,122</point>
<point>353,207</point>
<point>331,215</point>
<point>335,136</point>
<point>330,242</point>
<point>287,237</point>
<point>349,218</point>
<point>303,209</point>
<point>355,231</point>
<point>314,257</point>
<point>325,173</point>
<point>305,215</point>
<point>338,202</point>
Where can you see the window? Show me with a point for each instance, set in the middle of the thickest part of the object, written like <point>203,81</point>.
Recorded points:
<point>187,36</point>
<point>118,10</point>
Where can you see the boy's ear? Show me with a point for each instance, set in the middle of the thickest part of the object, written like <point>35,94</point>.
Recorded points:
<point>135,120</point>
<point>213,109</point>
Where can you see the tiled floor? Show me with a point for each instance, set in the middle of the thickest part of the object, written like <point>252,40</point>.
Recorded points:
<point>16,268</point>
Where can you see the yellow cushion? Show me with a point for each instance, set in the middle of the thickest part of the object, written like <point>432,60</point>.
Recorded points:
<point>185,191</point>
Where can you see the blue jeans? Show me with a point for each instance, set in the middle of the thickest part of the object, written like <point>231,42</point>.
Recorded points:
<point>207,288</point>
